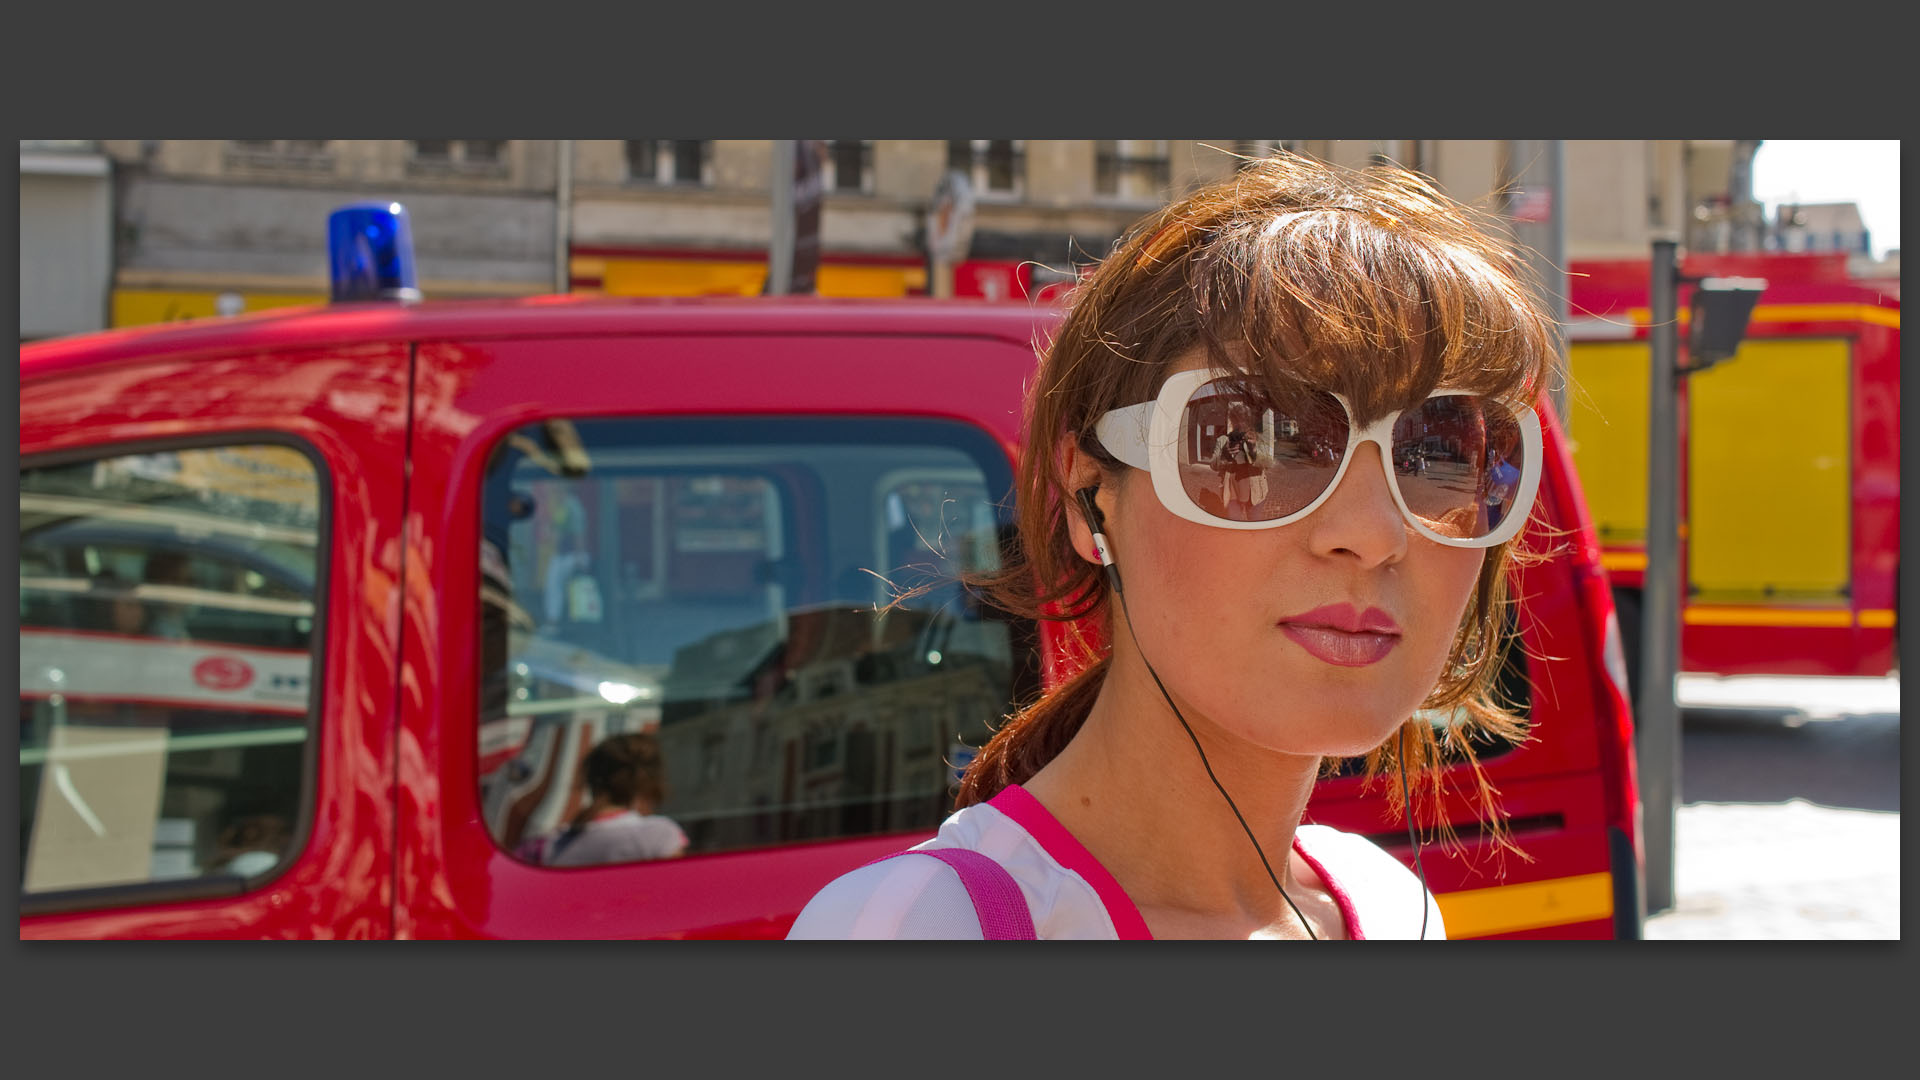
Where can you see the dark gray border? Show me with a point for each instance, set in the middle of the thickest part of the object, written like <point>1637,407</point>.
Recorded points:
<point>1172,1009</point>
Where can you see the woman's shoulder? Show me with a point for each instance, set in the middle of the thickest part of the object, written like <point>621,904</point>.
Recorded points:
<point>925,898</point>
<point>1384,895</point>
<point>901,898</point>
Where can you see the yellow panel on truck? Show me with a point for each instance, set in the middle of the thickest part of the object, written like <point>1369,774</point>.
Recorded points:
<point>1607,431</point>
<point>1769,505</point>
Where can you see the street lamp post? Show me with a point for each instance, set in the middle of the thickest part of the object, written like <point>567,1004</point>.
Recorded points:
<point>1721,308</point>
<point>1659,712</point>
<point>563,216</point>
<point>780,246</point>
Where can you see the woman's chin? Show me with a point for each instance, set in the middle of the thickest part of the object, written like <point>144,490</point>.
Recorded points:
<point>1335,729</point>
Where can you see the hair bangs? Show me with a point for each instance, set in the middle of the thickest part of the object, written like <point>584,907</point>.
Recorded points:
<point>1381,312</point>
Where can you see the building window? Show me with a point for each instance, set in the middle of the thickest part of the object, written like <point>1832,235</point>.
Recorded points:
<point>995,166</point>
<point>1131,169</point>
<point>310,154</point>
<point>485,150</point>
<point>642,158</point>
<point>61,145</point>
<point>849,166</point>
<point>466,157</point>
<point>1248,151</point>
<point>1260,148</point>
<point>670,161</point>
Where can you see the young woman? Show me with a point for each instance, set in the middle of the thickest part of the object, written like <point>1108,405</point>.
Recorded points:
<point>1356,320</point>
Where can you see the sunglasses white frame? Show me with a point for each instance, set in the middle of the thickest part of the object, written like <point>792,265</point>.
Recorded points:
<point>1147,436</point>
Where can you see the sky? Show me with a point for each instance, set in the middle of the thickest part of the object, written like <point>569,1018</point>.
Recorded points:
<point>1822,170</point>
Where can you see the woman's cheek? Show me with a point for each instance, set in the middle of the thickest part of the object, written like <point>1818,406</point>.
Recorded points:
<point>1451,578</point>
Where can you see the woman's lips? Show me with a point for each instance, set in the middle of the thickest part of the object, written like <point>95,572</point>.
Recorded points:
<point>1340,647</point>
<point>1340,635</point>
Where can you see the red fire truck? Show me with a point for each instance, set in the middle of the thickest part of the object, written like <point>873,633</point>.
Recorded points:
<point>322,609</point>
<point>1791,486</point>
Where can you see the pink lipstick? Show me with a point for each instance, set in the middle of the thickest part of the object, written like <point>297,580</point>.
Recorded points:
<point>1343,635</point>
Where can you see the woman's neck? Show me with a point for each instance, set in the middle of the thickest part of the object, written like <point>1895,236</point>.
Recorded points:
<point>1132,789</point>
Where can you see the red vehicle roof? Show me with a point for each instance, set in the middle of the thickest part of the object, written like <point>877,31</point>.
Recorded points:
<point>541,316</point>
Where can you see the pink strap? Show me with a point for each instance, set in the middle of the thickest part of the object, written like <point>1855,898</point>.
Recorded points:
<point>997,901</point>
<point>1026,811</point>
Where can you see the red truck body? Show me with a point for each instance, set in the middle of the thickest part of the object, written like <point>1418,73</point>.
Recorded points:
<point>402,408</point>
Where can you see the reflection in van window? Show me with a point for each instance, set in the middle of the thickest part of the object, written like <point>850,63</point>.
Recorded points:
<point>167,627</point>
<point>714,601</point>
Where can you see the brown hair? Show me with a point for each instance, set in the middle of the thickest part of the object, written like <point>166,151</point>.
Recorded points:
<point>1297,275</point>
<point>623,768</point>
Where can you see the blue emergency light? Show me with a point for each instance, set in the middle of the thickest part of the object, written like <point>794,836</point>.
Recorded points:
<point>370,253</point>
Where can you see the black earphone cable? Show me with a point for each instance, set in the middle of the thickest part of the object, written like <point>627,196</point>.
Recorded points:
<point>1406,799</point>
<point>1096,523</point>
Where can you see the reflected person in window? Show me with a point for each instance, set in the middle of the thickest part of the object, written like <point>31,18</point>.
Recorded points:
<point>626,778</point>
<point>168,569</point>
<point>131,615</point>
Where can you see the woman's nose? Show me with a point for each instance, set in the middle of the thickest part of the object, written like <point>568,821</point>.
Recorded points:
<point>1361,518</point>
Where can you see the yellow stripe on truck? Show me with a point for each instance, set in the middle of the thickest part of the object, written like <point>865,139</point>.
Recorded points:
<point>1827,313</point>
<point>1778,313</point>
<point>1702,615</point>
<point>1623,560</point>
<point>1504,909</point>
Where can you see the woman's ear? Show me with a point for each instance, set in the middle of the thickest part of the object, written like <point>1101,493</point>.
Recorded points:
<point>1078,471</point>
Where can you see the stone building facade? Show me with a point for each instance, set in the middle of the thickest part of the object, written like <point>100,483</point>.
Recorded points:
<point>199,228</point>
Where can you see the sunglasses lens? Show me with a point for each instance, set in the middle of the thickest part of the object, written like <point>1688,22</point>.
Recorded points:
<point>1458,460</point>
<point>1244,458</point>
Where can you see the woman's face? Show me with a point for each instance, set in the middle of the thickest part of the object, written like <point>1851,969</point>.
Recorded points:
<point>1255,630</point>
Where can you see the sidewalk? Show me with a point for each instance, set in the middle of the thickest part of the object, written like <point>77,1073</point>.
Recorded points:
<point>1814,698</point>
<point>1789,827</point>
<point>1782,872</point>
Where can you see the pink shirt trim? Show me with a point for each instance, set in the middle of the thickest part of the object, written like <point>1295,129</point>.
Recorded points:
<point>1025,810</point>
<point>1348,913</point>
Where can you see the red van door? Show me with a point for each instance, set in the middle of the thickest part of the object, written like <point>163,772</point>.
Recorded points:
<point>675,536</point>
<point>210,557</point>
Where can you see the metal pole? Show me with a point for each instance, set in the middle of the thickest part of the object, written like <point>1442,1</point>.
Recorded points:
<point>1554,273</point>
<point>780,247</point>
<point>563,216</point>
<point>1659,713</point>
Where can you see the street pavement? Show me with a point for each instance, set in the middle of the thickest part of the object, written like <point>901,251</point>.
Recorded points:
<point>1789,826</point>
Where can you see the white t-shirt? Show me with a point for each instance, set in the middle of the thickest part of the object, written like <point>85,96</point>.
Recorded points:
<point>1070,895</point>
<point>628,836</point>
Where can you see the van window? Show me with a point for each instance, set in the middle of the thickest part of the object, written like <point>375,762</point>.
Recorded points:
<point>167,636</point>
<point>690,641</point>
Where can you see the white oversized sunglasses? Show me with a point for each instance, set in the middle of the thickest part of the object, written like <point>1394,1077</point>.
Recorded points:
<point>1463,467</point>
